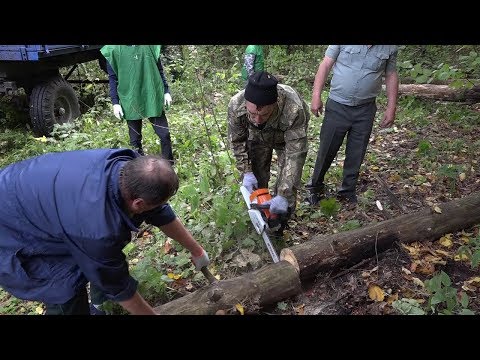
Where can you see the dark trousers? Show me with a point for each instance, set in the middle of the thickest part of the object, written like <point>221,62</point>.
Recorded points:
<point>160,125</point>
<point>78,305</point>
<point>340,120</point>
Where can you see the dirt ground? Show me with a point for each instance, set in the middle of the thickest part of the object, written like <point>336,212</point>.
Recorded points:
<point>410,170</point>
<point>425,160</point>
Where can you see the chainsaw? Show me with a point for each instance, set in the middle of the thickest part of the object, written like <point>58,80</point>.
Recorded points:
<point>263,221</point>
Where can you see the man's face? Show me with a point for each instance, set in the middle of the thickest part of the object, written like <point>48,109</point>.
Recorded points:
<point>139,206</point>
<point>259,114</point>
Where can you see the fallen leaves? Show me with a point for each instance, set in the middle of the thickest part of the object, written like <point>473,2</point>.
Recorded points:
<point>240,309</point>
<point>168,246</point>
<point>443,253</point>
<point>413,249</point>
<point>461,257</point>
<point>392,298</point>
<point>418,282</point>
<point>422,267</point>
<point>300,310</point>
<point>367,273</point>
<point>174,276</point>
<point>394,178</point>
<point>475,281</point>
<point>375,293</point>
<point>472,284</point>
<point>446,241</point>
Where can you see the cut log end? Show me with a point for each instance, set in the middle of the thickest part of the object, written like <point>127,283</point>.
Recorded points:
<point>288,255</point>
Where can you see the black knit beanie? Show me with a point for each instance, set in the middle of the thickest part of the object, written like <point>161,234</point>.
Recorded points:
<point>261,89</point>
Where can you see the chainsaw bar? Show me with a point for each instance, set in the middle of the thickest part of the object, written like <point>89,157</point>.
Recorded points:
<point>259,223</point>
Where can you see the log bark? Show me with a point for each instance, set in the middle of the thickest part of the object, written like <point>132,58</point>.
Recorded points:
<point>331,252</point>
<point>267,285</point>
<point>441,92</point>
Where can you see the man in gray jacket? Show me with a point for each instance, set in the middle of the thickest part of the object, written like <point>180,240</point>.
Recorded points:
<point>350,109</point>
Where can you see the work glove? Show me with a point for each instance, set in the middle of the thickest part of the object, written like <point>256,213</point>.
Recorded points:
<point>278,205</point>
<point>201,261</point>
<point>250,181</point>
<point>117,111</point>
<point>167,100</point>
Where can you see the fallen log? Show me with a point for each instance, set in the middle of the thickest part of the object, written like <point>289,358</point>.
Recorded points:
<point>267,285</point>
<point>440,92</point>
<point>329,252</point>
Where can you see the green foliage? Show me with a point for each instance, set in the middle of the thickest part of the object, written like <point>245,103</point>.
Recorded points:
<point>424,147</point>
<point>14,111</point>
<point>152,282</point>
<point>471,62</point>
<point>408,307</point>
<point>449,173</point>
<point>297,64</point>
<point>350,225</point>
<point>329,207</point>
<point>422,64</point>
<point>442,72</point>
<point>10,305</point>
<point>444,298</point>
<point>472,251</point>
<point>210,73</point>
<point>368,195</point>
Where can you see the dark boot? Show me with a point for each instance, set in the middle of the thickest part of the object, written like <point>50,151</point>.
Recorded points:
<point>314,194</point>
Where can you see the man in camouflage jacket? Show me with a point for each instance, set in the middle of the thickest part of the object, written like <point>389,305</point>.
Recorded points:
<point>263,117</point>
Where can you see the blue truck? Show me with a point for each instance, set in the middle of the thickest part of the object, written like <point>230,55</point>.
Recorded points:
<point>52,100</point>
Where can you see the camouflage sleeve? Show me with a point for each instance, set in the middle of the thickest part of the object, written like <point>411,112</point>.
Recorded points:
<point>296,148</point>
<point>249,63</point>
<point>237,137</point>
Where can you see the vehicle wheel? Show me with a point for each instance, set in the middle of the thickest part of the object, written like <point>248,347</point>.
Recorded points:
<point>52,102</point>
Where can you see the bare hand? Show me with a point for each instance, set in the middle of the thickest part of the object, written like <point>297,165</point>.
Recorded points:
<point>388,119</point>
<point>317,106</point>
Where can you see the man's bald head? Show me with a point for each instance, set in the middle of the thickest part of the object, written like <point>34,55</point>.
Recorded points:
<point>150,178</point>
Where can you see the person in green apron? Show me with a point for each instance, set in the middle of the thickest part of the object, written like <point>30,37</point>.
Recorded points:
<point>139,89</point>
<point>253,61</point>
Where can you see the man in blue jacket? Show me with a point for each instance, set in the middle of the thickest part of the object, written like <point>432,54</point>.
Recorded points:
<point>65,218</point>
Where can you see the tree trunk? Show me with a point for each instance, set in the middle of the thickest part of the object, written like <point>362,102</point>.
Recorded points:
<point>440,92</point>
<point>329,252</point>
<point>267,285</point>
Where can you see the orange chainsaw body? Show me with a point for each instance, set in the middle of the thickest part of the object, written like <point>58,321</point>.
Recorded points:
<point>260,196</point>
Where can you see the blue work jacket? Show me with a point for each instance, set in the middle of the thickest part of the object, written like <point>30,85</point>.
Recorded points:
<point>62,224</point>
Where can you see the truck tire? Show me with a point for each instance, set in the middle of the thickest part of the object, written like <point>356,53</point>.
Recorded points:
<point>52,101</point>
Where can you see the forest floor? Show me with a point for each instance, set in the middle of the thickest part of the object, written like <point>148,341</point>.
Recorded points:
<point>425,160</point>
<point>431,156</point>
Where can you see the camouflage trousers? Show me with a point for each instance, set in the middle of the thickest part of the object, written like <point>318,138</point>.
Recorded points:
<point>260,155</point>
